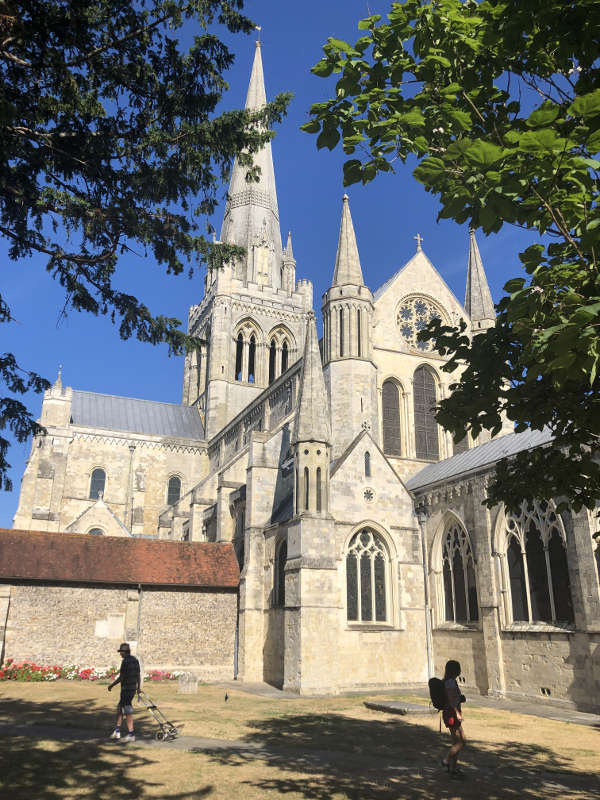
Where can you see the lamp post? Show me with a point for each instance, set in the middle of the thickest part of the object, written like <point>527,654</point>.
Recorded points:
<point>422,519</point>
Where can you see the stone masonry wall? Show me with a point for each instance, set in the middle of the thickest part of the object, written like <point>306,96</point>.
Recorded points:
<point>466,647</point>
<point>85,624</point>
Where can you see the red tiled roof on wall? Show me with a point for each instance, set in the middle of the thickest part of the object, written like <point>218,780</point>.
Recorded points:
<point>76,557</point>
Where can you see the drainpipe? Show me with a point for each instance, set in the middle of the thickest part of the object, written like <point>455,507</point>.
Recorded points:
<point>422,519</point>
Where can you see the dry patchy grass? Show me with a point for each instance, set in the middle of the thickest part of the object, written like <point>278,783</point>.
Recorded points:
<point>310,749</point>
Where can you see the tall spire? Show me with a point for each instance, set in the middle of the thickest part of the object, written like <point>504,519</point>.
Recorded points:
<point>347,261</point>
<point>251,215</point>
<point>312,423</point>
<point>478,299</point>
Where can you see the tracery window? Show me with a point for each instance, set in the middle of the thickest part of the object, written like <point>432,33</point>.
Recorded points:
<point>426,429</point>
<point>281,346</point>
<point>367,568</point>
<point>414,314</point>
<point>279,577</point>
<point>173,489</point>
<point>247,340</point>
<point>538,572</point>
<point>97,484</point>
<point>390,401</point>
<point>458,570</point>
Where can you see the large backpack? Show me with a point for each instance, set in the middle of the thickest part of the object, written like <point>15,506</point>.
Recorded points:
<point>437,692</point>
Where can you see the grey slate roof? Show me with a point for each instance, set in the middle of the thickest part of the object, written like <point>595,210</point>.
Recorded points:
<point>137,416</point>
<point>479,457</point>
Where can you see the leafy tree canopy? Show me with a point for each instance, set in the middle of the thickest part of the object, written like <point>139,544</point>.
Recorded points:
<point>499,102</point>
<point>109,139</point>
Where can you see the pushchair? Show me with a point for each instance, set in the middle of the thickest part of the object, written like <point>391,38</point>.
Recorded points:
<point>167,730</point>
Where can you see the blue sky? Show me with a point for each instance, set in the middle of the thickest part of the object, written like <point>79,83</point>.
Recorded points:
<point>387,214</point>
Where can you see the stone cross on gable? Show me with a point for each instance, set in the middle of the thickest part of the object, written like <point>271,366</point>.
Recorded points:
<point>419,239</point>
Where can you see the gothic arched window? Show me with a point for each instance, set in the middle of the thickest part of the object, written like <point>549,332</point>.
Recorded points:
<point>279,577</point>
<point>272,357</point>
<point>426,429</point>
<point>460,591</point>
<point>318,488</point>
<point>537,563</point>
<point>251,359</point>
<point>367,464</point>
<point>173,490</point>
<point>367,567</point>
<point>390,401</point>
<point>284,356</point>
<point>97,484</point>
<point>341,331</point>
<point>239,356</point>
<point>358,332</point>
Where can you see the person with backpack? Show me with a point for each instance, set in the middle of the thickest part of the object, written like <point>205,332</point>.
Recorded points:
<point>452,716</point>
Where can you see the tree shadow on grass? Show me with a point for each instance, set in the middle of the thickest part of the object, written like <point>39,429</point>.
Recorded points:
<point>326,756</point>
<point>75,760</point>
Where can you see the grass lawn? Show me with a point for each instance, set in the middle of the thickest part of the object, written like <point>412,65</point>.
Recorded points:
<point>311,749</point>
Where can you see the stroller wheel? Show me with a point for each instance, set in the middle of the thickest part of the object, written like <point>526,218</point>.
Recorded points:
<point>159,736</point>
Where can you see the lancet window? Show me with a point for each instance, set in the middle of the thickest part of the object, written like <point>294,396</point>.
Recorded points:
<point>367,464</point>
<point>247,342</point>
<point>426,429</point>
<point>97,484</point>
<point>279,351</point>
<point>279,576</point>
<point>390,401</point>
<point>367,578</point>
<point>458,570</point>
<point>173,489</point>
<point>536,560</point>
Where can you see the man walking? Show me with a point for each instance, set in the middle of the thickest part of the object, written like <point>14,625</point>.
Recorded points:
<point>129,678</point>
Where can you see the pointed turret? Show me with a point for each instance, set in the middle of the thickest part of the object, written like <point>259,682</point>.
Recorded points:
<point>311,437</point>
<point>288,248</point>
<point>347,261</point>
<point>288,280</point>
<point>251,215</point>
<point>312,423</point>
<point>478,299</point>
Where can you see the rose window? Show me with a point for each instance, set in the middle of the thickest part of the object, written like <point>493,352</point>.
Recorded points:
<point>413,316</point>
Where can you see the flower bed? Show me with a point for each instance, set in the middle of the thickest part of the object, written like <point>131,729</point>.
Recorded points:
<point>27,671</point>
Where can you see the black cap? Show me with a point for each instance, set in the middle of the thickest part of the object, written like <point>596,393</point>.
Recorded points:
<point>124,648</point>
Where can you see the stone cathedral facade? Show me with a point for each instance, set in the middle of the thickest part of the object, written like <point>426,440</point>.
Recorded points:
<point>355,519</point>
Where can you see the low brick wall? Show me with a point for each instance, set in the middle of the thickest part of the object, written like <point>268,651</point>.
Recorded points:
<point>84,624</point>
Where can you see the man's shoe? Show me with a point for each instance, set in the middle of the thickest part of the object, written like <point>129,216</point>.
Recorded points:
<point>129,738</point>
<point>115,735</point>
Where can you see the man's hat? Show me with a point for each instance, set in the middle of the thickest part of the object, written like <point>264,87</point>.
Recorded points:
<point>124,648</point>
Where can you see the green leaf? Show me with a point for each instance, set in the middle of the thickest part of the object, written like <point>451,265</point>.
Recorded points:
<point>483,154</point>
<point>543,116</point>
<point>587,105</point>
<point>328,137</point>
<point>311,127</point>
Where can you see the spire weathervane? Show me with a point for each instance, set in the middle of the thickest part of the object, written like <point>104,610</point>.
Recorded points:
<point>259,29</point>
<point>419,239</point>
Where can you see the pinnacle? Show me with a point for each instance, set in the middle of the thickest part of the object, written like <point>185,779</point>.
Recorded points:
<point>312,423</point>
<point>478,299</point>
<point>347,261</point>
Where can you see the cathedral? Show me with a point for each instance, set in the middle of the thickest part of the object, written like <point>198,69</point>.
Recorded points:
<point>366,557</point>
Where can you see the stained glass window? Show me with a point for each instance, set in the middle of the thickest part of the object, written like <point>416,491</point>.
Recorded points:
<point>458,573</point>
<point>537,575</point>
<point>426,429</point>
<point>517,580</point>
<point>540,531</point>
<point>390,401</point>
<point>367,566</point>
<point>239,352</point>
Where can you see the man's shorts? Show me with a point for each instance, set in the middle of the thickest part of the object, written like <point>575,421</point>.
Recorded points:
<point>125,703</point>
<point>450,719</point>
